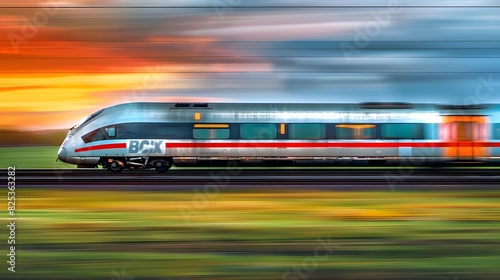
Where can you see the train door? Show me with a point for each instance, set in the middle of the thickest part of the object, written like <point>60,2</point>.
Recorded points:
<point>464,134</point>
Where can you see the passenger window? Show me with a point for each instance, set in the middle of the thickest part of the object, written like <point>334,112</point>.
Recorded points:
<point>258,131</point>
<point>307,131</point>
<point>211,133</point>
<point>355,131</point>
<point>96,135</point>
<point>496,131</point>
<point>402,131</point>
<point>111,131</point>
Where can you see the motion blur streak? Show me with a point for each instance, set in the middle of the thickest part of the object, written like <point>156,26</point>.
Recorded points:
<point>261,234</point>
<point>61,59</point>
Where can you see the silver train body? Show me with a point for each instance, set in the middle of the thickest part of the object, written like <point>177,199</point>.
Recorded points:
<point>159,135</point>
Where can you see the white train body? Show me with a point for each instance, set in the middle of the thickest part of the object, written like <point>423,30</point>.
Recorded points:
<point>145,135</point>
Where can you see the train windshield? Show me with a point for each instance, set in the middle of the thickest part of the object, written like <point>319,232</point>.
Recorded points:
<point>87,119</point>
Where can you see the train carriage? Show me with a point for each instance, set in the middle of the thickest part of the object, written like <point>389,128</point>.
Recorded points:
<point>159,135</point>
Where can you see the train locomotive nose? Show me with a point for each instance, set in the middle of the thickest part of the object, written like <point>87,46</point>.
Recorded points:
<point>61,154</point>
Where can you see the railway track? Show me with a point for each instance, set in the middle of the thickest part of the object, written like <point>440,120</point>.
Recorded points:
<point>332,179</point>
<point>356,171</point>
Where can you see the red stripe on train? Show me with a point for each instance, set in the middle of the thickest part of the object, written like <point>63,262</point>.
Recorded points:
<point>487,144</point>
<point>102,147</point>
<point>332,145</point>
<point>301,145</point>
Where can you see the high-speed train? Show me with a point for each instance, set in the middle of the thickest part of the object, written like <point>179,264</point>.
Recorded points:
<point>159,135</point>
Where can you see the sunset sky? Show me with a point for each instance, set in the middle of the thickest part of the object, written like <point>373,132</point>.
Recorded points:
<point>62,60</point>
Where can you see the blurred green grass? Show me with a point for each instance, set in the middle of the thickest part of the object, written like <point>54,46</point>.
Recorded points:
<point>257,234</point>
<point>31,157</point>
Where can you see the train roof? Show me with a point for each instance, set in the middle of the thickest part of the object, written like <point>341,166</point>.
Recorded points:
<point>280,112</point>
<point>309,107</point>
<point>272,106</point>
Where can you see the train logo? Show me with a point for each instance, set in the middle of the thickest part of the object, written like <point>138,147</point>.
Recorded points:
<point>145,147</point>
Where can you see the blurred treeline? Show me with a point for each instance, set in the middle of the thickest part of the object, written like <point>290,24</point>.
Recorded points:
<point>52,137</point>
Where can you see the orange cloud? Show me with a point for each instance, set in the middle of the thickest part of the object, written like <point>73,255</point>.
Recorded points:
<point>81,60</point>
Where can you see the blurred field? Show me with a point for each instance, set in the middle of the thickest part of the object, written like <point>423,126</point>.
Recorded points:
<point>258,235</point>
<point>31,157</point>
<point>49,137</point>
<point>31,149</point>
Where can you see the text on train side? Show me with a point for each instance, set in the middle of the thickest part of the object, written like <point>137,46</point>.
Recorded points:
<point>145,146</point>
